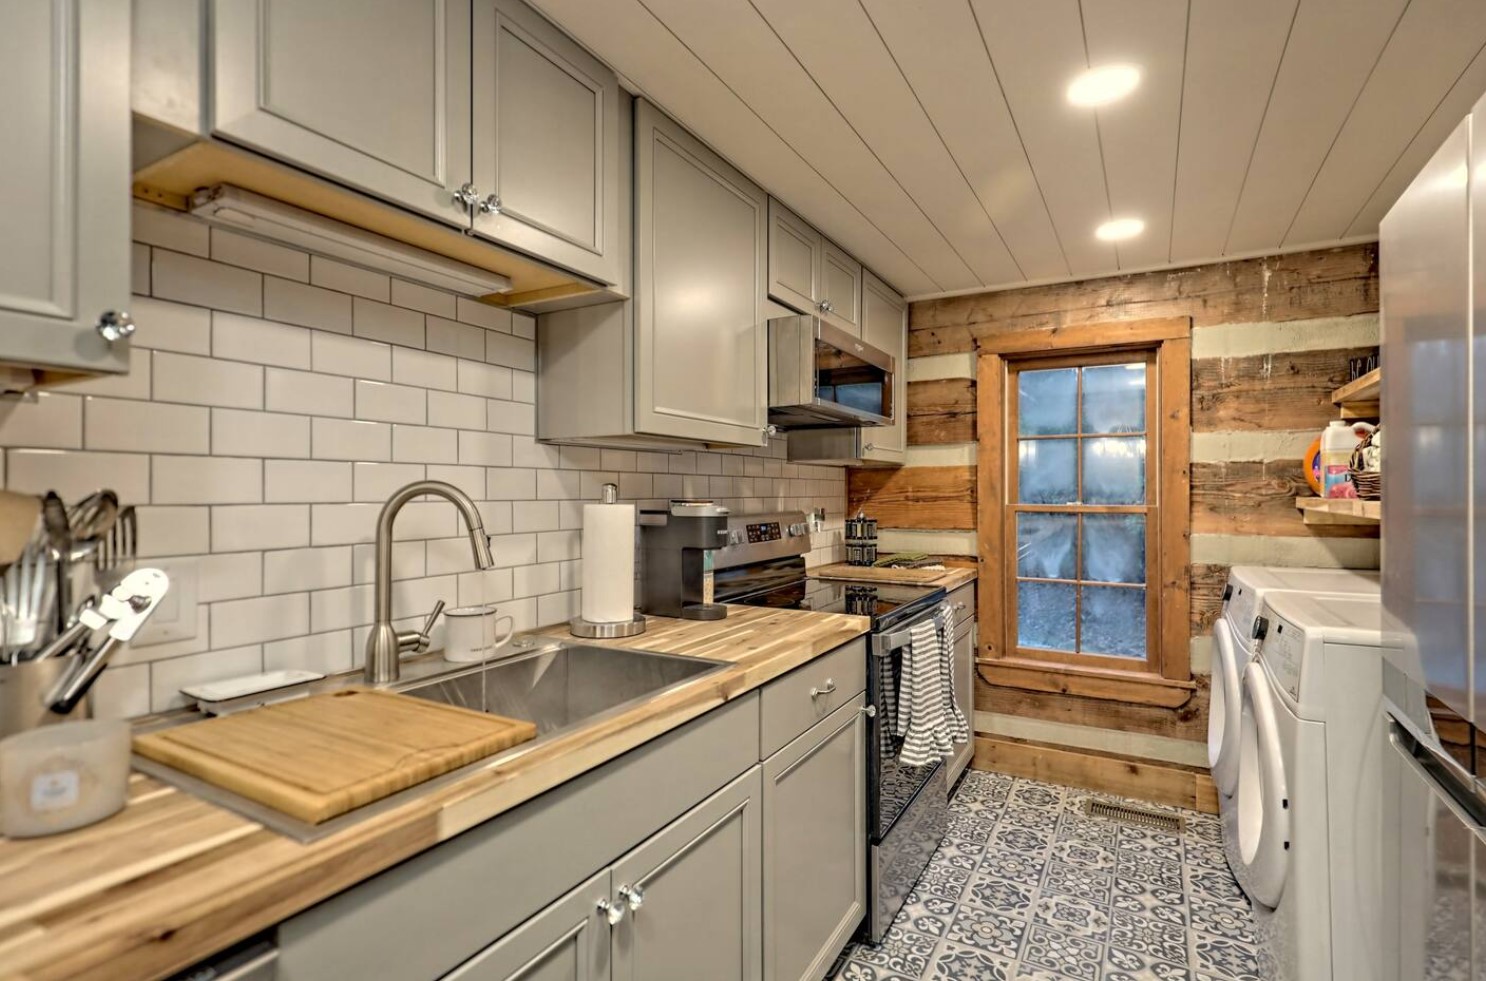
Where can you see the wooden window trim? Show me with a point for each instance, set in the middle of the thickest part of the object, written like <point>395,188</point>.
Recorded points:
<point>1168,680</point>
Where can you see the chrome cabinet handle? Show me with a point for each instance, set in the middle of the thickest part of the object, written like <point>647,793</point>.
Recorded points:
<point>613,912</point>
<point>490,205</point>
<point>825,689</point>
<point>868,447</point>
<point>468,196</point>
<point>959,606</point>
<point>870,711</point>
<point>115,325</point>
<point>634,896</point>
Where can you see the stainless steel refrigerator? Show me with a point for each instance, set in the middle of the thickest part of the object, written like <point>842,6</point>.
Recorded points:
<point>1432,256</point>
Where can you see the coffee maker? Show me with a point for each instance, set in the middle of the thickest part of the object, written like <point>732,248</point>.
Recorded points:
<point>676,553</point>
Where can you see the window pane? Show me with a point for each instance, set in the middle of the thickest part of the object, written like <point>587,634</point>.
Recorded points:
<point>1114,470</point>
<point>1044,545</point>
<point>1044,615</point>
<point>1114,398</point>
<point>1113,621</point>
<point>1047,471</point>
<point>1047,402</point>
<point>1114,547</point>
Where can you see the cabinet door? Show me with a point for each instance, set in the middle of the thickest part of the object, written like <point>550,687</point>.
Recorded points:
<point>964,694</point>
<point>692,894</point>
<point>840,279</point>
<point>567,941</point>
<point>885,326</point>
<point>815,845</point>
<point>374,94</point>
<point>701,334</point>
<point>794,259</point>
<point>64,258</point>
<point>546,142</point>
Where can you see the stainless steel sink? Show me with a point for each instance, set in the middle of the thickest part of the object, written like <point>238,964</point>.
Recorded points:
<point>561,687</point>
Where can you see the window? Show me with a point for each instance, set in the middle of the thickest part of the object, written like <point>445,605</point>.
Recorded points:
<point>1084,510</point>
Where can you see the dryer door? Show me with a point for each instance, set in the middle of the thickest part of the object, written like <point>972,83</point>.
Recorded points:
<point>1223,709</point>
<point>1262,811</point>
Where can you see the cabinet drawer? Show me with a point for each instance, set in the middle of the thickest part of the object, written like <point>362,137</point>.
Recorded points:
<point>788,708</point>
<point>962,601</point>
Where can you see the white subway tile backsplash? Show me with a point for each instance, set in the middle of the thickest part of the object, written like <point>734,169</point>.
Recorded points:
<point>514,550</point>
<point>407,561</point>
<point>172,530</point>
<point>134,384</point>
<point>559,484</point>
<point>239,432</point>
<point>206,480</point>
<point>384,402</point>
<point>478,378</point>
<point>240,338</point>
<point>456,411</point>
<point>513,352</point>
<point>416,297</point>
<point>307,306</point>
<point>299,570</point>
<point>339,609</point>
<point>307,393</point>
<point>145,427</point>
<point>523,324</point>
<point>168,677</point>
<point>534,516</point>
<point>207,381</point>
<point>328,653</point>
<point>344,524</point>
<point>169,229</point>
<point>484,449</point>
<point>231,575</point>
<point>534,580</point>
<point>523,386</point>
<point>554,546</point>
<point>459,340</point>
<point>511,417</point>
<point>174,276</point>
<point>471,480</point>
<point>51,421</point>
<point>424,444</point>
<point>350,279</point>
<point>306,481</point>
<point>383,322</point>
<point>511,484</point>
<point>345,439</point>
<point>163,326</point>
<point>496,516</point>
<point>375,482</point>
<point>123,691</point>
<point>351,356</point>
<point>139,268</point>
<point>74,475</point>
<point>483,314</point>
<point>256,254</point>
<point>423,369</point>
<point>485,587</point>
<point>527,452</point>
<point>246,527</point>
<point>251,621</point>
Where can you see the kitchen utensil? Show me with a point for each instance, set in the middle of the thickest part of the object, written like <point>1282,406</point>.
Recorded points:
<point>123,611</point>
<point>236,694</point>
<point>26,690</point>
<point>18,514</point>
<point>116,551</point>
<point>29,585</point>
<point>59,544</point>
<point>317,757</point>
<point>63,777</point>
<point>867,573</point>
<point>68,639</point>
<point>470,633</point>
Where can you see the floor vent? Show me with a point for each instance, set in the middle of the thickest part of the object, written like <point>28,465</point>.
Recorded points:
<point>1156,820</point>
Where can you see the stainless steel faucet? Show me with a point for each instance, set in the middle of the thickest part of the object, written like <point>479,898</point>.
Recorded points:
<point>386,643</point>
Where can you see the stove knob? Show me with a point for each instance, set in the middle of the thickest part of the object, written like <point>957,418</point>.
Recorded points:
<point>796,530</point>
<point>735,537</point>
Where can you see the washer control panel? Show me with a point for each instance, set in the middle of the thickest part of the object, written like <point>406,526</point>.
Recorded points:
<point>1284,653</point>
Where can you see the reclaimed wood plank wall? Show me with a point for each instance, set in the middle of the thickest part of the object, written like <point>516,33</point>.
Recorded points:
<point>1271,340</point>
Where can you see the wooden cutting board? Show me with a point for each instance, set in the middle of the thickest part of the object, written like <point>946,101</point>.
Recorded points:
<point>870,573</point>
<point>314,758</point>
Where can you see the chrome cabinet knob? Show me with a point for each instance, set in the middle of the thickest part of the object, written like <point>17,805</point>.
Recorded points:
<point>115,325</point>
<point>634,896</point>
<point>826,306</point>
<point>825,689</point>
<point>868,447</point>
<point>612,912</point>
<point>468,196</point>
<point>490,205</point>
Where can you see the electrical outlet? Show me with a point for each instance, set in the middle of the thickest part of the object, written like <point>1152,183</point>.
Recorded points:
<point>175,617</point>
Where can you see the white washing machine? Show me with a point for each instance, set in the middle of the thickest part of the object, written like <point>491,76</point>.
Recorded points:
<point>1233,633</point>
<point>1304,833</point>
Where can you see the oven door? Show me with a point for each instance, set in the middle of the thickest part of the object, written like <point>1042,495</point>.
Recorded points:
<point>821,376</point>
<point>893,786</point>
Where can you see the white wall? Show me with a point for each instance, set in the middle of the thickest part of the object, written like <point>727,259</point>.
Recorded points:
<point>273,403</point>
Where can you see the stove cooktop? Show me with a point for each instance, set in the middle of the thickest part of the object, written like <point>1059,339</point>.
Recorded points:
<point>887,604</point>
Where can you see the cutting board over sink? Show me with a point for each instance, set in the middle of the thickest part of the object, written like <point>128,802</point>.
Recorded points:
<point>317,757</point>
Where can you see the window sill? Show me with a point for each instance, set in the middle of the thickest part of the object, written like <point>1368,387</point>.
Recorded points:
<point>1138,687</point>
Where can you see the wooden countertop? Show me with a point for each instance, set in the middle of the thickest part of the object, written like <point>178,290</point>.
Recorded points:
<point>172,879</point>
<point>951,579</point>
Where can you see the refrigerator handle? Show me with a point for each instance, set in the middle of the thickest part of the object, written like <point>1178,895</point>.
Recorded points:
<point>1462,794</point>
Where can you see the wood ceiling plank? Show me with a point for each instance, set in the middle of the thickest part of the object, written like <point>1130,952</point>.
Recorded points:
<point>840,48</point>
<point>1332,48</point>
<point>626,36</point>
<point>1233,53</point>
<point>737,44</point>
<point>1433,45</point>
<point>1138,135</point>
<point>1037,48</point>
<point>940,52</point>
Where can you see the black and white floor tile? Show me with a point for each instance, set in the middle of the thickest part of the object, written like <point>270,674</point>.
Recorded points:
<point>1026,887</point>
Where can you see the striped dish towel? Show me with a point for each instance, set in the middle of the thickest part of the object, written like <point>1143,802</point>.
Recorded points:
<point>926,700</point>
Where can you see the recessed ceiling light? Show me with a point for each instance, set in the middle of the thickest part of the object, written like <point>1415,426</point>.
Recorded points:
<point>1119,229</point>
<point>1103,85</point>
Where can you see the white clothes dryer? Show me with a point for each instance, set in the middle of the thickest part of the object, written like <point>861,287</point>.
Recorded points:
<point>1304,836</point>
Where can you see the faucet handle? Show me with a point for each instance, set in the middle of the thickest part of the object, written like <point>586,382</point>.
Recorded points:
<point>423,640</point>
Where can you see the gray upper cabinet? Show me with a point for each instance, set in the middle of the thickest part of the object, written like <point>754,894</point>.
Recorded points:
<point>815,845</point>
<point>885,326</point>
<point>701,332</point>
<point>810,274</point>
<point>64,259</point>
<point>692,894</point>
<point>567,941</point>
<point>374,94</point>
<point>547,118</point>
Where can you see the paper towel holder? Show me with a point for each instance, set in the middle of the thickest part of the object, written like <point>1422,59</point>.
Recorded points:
<point>590,630</point>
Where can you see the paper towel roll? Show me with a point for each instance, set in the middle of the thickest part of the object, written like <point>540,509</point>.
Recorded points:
<point>608,563</point>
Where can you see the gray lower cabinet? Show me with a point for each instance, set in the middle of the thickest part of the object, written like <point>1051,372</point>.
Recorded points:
<point>372,93</point>
<point>815,845</point>
<point>546,144</point>
<point>64,258</point>
<point>964,655</point>
<point>567,941</point>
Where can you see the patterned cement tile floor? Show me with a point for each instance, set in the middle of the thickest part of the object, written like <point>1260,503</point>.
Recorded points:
<point>1026,886</point>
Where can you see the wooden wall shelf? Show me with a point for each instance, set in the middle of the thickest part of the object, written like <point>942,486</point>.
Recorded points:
<point>1361,398</point>
<point>1341,511</point>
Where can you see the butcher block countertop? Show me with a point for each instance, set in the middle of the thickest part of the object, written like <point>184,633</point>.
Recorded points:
<point>173,879</point>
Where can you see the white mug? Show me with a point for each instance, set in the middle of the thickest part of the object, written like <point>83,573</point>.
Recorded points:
<point>470,633</point>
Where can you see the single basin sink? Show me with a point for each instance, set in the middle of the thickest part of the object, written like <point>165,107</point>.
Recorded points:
<point>564,686</point>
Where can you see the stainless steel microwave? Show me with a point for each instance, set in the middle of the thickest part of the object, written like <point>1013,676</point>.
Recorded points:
<point>821,376</point>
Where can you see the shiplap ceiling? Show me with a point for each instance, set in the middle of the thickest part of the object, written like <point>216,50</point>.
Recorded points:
<point>932,138</point>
